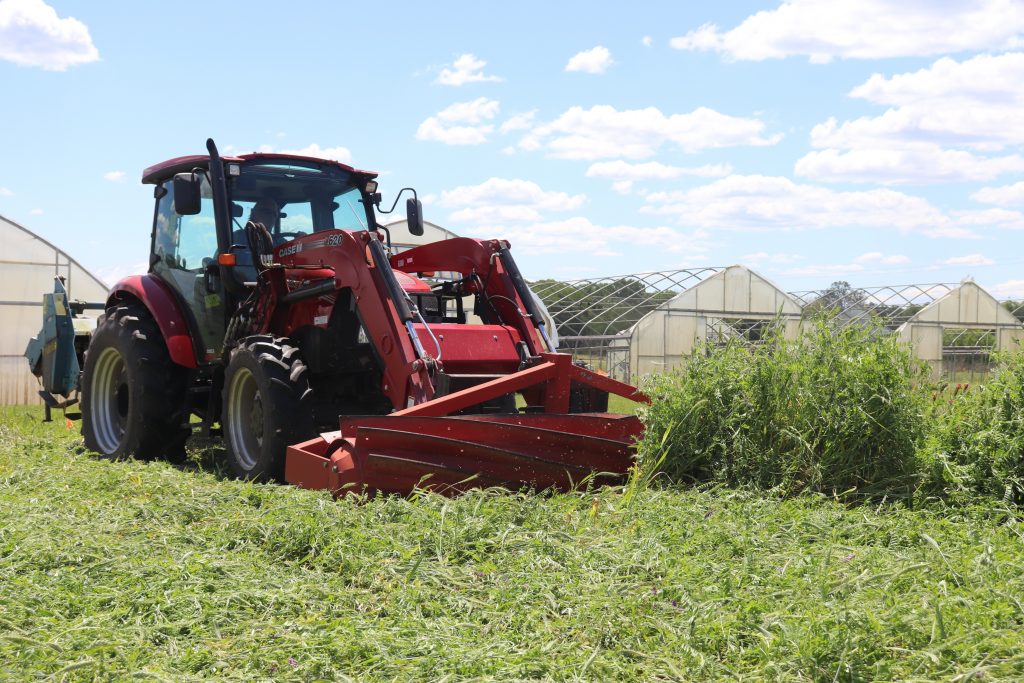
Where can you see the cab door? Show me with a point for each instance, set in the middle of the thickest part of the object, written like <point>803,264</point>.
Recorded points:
<point>184,256</point>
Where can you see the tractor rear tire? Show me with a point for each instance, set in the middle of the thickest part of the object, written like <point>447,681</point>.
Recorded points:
<point>133,395</point>
<point>266,406</point>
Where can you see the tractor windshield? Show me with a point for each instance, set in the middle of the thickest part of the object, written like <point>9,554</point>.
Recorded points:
<point>292,200</point>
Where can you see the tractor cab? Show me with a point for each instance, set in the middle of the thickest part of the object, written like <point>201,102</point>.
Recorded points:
<point>206,257</point>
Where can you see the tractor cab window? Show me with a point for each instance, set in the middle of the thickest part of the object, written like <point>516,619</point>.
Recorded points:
<point>183,247</point>
<point>295,200</point>
<point>182,242</point>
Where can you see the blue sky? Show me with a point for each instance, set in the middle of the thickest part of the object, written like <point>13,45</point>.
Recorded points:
<point>873,142</point>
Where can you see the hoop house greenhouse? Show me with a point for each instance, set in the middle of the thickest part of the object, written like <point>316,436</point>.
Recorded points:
<point>27,268</point>
<point>733,303</point>
<point>957,332</point>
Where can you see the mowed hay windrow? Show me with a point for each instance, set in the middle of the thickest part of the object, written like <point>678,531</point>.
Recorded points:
<point>118,570</point>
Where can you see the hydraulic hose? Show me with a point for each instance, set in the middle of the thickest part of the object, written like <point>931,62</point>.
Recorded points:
<point>397,294</point>
<point>395,291</point>
<point>519,283</point>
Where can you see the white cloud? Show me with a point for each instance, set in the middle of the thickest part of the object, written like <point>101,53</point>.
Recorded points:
<point>647,41</point>
<point>968,260</point>
<point>578,235</point>
<point>114,176</point>
<point>443,126</point>
<point>4,192</point>
<point>945,122</point>
<point>831,270</point>
<point>36,212</point>
<point>596,60</point>
<point>860,264</point>
<point>823,30</point>
<point>879,257</point>
<point>432,129</point>
<point>924,163</point>
<point>342,154</point>
<point>1011,289</point>
<point>975,104</point>
<point>763,257</point>
<point>474,111</point>
<point>466,68</point>
<point>605,132</point>
<point>653,170</point>
<point>992,218</point>
<point>519,122</point>
<point>765,203</point>
<point>501,200</point>
<point>495,214</point>
<point>622,186</point>
<point>979,80</point>
<point>1007,195</point>
<point>31,34</point>
<point>517,210</point>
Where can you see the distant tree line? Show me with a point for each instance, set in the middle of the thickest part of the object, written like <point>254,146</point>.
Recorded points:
<point>848,303</point>
<point>597,308</point>
<point>1015,307</point>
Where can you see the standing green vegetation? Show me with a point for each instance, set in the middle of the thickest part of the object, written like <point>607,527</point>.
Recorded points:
<point>976,445</point>
<point>837,411</point>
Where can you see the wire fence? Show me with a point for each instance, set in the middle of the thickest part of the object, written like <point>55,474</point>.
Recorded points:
<point>595,316</point>
<point>608,306</point>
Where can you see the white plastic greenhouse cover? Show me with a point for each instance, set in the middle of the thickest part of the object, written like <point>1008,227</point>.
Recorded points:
<point>402,239</point>
<point>666,336</point>
<point>28,264</point>
<point>966,307</point>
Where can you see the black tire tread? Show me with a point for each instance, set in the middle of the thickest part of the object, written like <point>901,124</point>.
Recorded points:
<point>158,389</point>
<point>284,375</point>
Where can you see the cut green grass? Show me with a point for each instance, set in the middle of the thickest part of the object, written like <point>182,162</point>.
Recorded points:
<point>623,406</point>
<point>616,404</point>
<point>114,570</point>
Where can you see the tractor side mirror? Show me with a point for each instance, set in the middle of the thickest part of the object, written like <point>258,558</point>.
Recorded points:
<point>187,195</point>
<point>414,216</point>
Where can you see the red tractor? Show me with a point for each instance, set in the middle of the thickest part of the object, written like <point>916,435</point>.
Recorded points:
<point>273,307</point>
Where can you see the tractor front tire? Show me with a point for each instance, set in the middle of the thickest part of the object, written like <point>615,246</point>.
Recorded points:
<point>265,407</point>
<point>133,395</point>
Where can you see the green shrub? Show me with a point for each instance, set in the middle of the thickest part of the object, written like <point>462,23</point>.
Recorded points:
<point>977,443</point>
<point>833,411</point>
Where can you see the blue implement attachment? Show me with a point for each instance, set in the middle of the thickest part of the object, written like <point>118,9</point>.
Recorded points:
<point>53,354</point>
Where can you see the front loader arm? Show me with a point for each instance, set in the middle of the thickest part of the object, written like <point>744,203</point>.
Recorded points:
<point>405,375</point>
<point>493,275</point>
<point>434,443</point>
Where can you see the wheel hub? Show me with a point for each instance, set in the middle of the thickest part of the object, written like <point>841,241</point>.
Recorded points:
<point>244,415</point>
<point>110,400</point>
<point>256,418</point>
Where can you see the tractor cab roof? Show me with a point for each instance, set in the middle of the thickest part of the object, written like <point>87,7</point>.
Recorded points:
<point>166,169</point>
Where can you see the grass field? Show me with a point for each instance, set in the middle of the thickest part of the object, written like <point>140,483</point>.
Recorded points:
<point>118,570</point>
